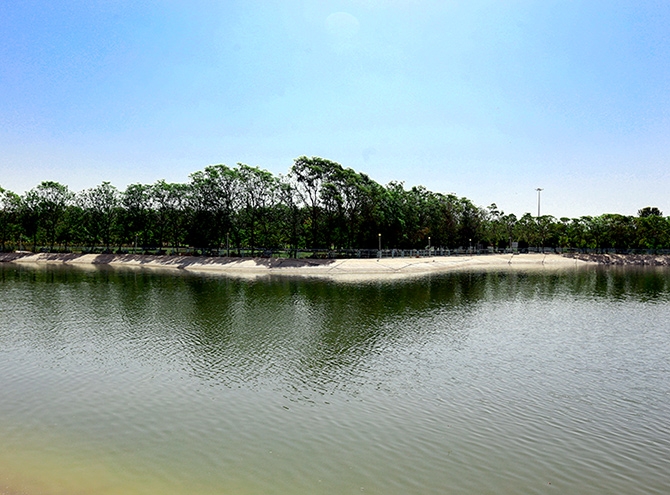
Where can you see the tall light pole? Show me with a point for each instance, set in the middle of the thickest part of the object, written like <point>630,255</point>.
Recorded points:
<point>380,245</point>
<point>538,200</point>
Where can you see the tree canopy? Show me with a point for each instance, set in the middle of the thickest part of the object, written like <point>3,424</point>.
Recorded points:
<point>318,204</point>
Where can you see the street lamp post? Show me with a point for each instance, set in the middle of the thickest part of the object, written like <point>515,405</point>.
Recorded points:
<point>538,200</point>
<point>429,245</point>
<point>380,245</point>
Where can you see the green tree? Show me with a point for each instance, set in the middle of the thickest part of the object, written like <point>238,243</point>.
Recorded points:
<point>10,208</point>
<point>310,175</point>
<point>170,203</point>
<point>525,231</point>
<point>136,214</point>
<point>258,189</point>
<point>619,231</point>
<point>395,204</point>
<point>70,230</point>
<point>215,197</point>
<point>470,222</point>
<point>290,216</point>
<point>45,208</point>
<point>649,211</point>
<point>547,231</point>
<point>494,229</point>
<point>509,223</point>
<point>652,232</point>
<point>652,229</point>
<point>101,208</point>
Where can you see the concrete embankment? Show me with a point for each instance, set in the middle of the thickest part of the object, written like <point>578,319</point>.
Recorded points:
<point>330,268</point>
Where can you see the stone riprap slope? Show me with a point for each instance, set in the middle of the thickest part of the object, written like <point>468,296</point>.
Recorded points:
<point>623,259</point>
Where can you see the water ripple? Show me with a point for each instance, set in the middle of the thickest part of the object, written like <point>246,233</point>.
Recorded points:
<point>472,383</point>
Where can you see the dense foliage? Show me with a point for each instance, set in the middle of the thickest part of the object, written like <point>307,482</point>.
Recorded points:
<point>318,205</point>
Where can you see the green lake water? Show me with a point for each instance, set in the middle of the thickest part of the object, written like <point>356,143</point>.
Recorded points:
<point>142,382</point>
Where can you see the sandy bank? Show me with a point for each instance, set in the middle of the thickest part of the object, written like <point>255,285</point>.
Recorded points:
<point>337,268</point>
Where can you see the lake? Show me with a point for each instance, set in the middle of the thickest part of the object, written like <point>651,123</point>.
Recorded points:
<point>122,381</point>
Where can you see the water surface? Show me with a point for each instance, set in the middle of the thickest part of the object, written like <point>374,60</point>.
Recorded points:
<point>134,381</point>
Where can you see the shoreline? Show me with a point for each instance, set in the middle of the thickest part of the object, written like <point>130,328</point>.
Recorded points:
<point>359,269</point>
<point>353,269</point>
<point>623,259</point>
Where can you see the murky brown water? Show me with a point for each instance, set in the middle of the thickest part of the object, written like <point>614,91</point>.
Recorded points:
<point>134,382</point>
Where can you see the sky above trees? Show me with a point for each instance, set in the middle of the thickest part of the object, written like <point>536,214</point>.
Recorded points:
<point>484,99</point>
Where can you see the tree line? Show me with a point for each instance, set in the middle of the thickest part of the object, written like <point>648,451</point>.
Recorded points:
<point>318,205</point>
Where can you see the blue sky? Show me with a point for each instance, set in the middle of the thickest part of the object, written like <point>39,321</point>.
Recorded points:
<point>484,99</point>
